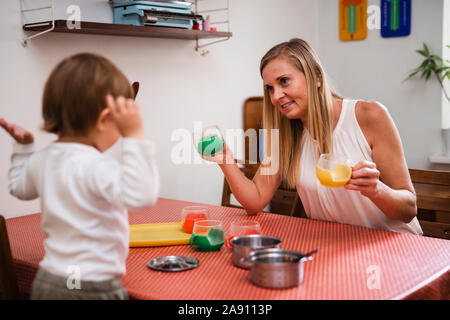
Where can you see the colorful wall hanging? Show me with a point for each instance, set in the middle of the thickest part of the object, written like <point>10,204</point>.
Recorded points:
<point>352,20</point>
<point>395,18</point>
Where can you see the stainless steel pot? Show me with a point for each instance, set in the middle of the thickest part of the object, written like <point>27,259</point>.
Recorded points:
<point>277,268</point>
<point>243,245</point>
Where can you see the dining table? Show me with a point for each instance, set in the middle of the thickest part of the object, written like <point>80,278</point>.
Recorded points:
<point>351,263</point>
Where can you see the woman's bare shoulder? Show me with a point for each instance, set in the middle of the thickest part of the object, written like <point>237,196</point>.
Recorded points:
<point>372,117</point>
<point>370,111</point>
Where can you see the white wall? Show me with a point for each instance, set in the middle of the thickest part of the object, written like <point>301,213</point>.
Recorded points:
<point>373,69</point>
<point>178,85</point>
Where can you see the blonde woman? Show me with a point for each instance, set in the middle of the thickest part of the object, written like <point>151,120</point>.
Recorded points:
<point>312,119</point>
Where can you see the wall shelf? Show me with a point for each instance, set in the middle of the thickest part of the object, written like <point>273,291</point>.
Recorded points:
<point>126,30</point>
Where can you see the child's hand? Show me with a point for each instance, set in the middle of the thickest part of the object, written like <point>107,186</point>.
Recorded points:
<point>127,116</point>
<point>19,134</point>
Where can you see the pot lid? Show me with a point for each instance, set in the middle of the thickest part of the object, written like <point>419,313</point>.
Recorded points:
<point>173,263</point>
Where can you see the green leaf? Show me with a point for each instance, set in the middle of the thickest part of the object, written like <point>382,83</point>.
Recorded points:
<point>424,63</point>
<point>446,75</point>
<point>412,75</point>
<point>422,75</point>
<point>425,47</point>
<point>442,69</point>
<point>423,53</point>
<point>427,74</point>
<point>436,57</point>
<point>432,64</point>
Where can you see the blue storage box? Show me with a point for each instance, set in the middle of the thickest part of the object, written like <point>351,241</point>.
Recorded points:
<point>151,13</point>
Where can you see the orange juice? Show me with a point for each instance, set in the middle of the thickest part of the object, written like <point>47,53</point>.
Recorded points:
<point>188,223</point>
<point>247,232</point>
<point>335,178</point>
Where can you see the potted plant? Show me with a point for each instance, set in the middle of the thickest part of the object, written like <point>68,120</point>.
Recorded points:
<point>433,65</point>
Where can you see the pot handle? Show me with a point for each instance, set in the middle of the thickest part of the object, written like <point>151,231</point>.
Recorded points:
<point>308,256</point>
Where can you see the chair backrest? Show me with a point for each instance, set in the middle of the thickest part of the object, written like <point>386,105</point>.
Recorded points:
<point>284,201</point>
<point>8,283</point>
<point>252,116</point>
<point>249,171</point>
<point>433,201</point>
<point>430,176</point>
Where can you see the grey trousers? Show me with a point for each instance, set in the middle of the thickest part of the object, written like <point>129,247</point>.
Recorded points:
<point>48,286</point>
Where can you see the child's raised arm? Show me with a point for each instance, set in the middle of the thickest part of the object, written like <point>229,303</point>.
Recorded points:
<point>20,184</point>
<point>127,116</point>
<point>18,133</point>
<point>133,181</point>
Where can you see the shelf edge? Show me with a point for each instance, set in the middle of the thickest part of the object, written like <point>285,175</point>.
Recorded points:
<point>100,28</point>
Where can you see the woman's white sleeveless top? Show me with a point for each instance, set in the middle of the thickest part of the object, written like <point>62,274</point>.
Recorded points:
<point>339,204</point>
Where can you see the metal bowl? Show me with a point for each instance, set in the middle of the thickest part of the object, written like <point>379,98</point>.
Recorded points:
<point>277,268</point>
<point>243,245</point>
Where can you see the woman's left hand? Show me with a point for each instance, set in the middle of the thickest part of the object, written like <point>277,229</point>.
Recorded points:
<point>365,178</point>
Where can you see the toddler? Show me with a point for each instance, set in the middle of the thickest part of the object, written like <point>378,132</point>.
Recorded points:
<point>85,194</point>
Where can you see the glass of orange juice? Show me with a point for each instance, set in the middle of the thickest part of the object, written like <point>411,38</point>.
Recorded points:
<point>191,214</point>
<point>333,170</point>
<point>240,228</point>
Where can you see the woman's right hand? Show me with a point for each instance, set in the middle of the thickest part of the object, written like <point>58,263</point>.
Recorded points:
<point>19,134</point>
<point>222,158</point>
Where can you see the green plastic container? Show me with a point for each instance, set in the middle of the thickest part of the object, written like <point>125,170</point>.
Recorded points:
<point>212,242</point>
<point>210,145</point>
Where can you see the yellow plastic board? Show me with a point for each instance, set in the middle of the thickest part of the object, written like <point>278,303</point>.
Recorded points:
<point>158,234</point>
<point>352,20</point>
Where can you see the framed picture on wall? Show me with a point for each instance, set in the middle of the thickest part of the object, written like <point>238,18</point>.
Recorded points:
<point>395,18</point>
<point>352,20</point>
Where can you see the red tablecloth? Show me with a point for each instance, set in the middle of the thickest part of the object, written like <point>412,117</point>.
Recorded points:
<point>352,262</point>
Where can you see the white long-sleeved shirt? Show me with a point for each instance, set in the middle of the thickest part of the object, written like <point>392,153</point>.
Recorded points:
<point>84,197</point>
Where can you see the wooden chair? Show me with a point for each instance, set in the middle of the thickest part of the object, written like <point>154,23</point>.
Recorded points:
<point>252,115</point>
<point>433,201</point>
<point>249,171</point>
<point>9,289</point>
<point>285,201</point>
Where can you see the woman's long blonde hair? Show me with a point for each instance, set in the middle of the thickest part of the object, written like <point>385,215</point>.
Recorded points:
<point>320,109</point>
